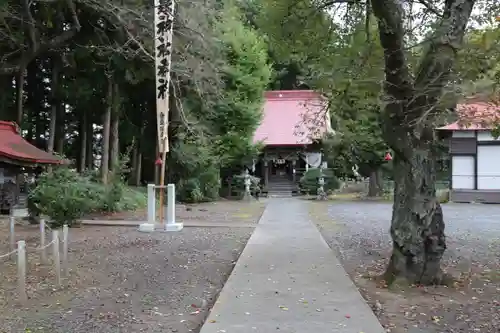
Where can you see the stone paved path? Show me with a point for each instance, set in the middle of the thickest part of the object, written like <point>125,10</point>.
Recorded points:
<point>289,280</point>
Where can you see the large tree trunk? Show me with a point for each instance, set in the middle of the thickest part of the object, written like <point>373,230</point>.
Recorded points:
<point>138,168</point>
<point>20,96</point>
<point>412,104</point>
<point>89,130</point>
<point>137,159</point>
<point>7,98</point>
<point>54,102</point>
<point>106,129</point>
<point>375,188</point>
<point>60,127</point>
<point>417,227</point>
<point>32,105</point>
<point>83,141</point>
<point>114,156</point>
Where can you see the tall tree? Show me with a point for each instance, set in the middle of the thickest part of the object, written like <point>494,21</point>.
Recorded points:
<point>409,120</point>
<point>420,41</point>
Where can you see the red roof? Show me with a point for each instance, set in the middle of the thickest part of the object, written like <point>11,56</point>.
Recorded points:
<point>292,117</point>
<point>475,116</point>
<point>14,147</point>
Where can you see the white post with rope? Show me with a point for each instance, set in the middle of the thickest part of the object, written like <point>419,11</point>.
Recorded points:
<point>43,251</point>
<point>171,224</point>
<point>151,204</point>
<point>149,226</point>
<point>57,259</point>
<point>65,249</point>
<point>12,235</point>
<point>21,271</point>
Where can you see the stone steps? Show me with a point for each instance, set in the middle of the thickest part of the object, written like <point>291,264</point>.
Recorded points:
<point>279,187</point>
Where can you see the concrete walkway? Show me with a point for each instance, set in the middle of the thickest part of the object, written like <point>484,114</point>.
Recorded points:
<point>288,280</point>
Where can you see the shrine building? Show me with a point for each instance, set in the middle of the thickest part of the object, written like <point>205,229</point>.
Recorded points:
<point>293,124</point>
<point>17,157</point>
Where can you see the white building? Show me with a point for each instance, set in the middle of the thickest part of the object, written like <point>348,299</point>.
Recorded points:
<point>475,154</point>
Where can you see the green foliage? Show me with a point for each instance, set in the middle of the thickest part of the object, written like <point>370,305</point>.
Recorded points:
<point>197,169</point>
<point>238,184</point>
<point>66,196</point>
<point>309,181</point>
<point>354,107</point>
<point>246,74</point>
<point>346,64</point>
<point>223,139</point>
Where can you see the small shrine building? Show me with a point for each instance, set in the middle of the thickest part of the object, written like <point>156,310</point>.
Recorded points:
<point>18,156</point>
<point>293,124</point>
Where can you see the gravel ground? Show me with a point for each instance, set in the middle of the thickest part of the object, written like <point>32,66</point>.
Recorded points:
<point>223,211</point>
<point>123,281</point>
<point>359,232</point>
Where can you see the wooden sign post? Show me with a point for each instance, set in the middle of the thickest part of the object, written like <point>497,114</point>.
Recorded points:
<point>164,22</point>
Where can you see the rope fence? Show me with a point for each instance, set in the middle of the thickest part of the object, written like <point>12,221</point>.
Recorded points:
<point>21,250</point>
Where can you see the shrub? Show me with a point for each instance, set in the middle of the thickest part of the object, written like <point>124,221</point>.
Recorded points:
<point>238,184</point>
<point>112,197</point>
<point>443,195</point>
<point>189,190</point>
<point>309,181</point>
<point>203,185</point>
<point>66,196</point>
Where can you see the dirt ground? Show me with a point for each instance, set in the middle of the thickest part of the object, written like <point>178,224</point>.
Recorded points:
<point>219,211</point>
<point>359,233</point>
<point>121,280</point>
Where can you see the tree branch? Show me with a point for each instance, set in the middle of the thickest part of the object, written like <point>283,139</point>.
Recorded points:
<point>430,7</point>
<point>41,47</point>
<point>327,4</point>
<point>31,26</point>
<point>434,71</point>
<point>398,83</point>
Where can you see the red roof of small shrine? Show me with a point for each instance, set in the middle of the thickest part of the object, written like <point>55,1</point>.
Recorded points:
<point>14,147</point>
<point>292,117</point>
<point>475,116</point>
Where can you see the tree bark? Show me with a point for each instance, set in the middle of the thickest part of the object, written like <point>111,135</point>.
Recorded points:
<point>417,226</point>
<point>135,176</point>
<point>114,156</point>
<point>89,155</point>
<point>83,142</point>
<point>106,133</point>
<point>60,127</point>
<point>32,105</point>
<point>375,188</point>
<point>137,158</point>
<point>20,96</point>
<point>54,101</point>
<point>138,170</point>
<point>36,45</point>
<point>133,162</point>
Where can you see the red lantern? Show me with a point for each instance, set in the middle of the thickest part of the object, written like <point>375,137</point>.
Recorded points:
<point>388,157</point>
<point>158,161</point>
